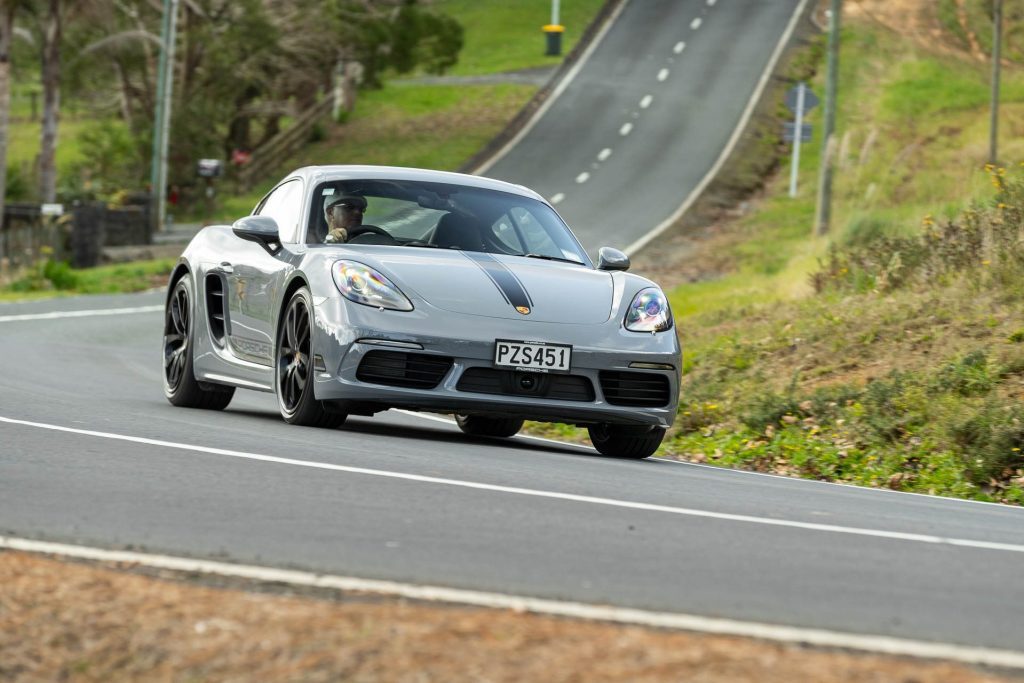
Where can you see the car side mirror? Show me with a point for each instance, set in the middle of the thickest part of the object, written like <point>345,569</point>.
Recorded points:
<point>260,229</point>
<point>611,259</point>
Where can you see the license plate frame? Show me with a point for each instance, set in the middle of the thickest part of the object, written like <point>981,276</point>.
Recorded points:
<point>532,356</point>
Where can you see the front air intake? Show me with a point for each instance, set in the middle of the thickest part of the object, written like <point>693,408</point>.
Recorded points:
<point>399,369</point>
<point>637,389</point>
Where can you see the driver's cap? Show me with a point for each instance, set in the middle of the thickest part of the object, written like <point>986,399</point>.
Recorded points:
<point>346,199</point>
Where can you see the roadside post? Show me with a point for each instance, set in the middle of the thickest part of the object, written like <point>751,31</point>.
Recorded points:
<point>50,213</point>
<point>554,31</point>
<point>799,99</point>
<point>209,169</point>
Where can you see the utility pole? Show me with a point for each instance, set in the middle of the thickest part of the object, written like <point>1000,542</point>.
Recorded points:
<point>997,40</point>
<point>824,213</point>
<point>162,114</point>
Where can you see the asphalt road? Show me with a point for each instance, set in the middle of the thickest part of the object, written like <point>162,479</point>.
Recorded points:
<point>647,115</point>
<point>653,534</point>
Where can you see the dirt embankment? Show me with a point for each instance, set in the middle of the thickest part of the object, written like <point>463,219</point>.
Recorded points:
<point>81,623</point>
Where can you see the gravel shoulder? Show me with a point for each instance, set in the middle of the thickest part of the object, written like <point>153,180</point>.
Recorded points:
<point>69,621</point>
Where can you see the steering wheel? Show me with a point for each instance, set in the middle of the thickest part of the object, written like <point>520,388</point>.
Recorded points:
<point>363,229</point>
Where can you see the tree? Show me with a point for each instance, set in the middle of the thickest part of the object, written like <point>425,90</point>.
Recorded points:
<point>7,9</point>
<point>240,67</point>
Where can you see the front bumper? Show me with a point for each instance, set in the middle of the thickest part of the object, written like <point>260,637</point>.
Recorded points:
<point>346,332</point>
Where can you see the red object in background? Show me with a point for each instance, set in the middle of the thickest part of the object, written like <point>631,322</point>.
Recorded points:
<point>173,195</point>
<point>240,157</point>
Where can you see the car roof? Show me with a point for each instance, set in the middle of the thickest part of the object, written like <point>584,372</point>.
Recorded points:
<point>318,174</point>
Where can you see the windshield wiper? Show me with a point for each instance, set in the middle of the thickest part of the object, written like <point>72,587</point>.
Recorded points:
<point>554,258</point>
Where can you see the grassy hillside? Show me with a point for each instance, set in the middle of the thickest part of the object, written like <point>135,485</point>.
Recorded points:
<point>440,126</point>
<point>889,353</point>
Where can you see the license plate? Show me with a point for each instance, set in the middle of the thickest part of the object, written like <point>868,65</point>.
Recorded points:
<point>534,356</point>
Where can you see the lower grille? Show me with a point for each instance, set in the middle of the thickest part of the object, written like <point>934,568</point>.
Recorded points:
<point>538,385</point>
<point>639,389</point>
<point>399,369</point>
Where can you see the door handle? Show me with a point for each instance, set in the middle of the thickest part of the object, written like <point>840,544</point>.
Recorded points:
<point>226,267</point>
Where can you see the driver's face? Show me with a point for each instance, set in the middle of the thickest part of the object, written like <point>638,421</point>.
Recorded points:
<point>346,216</point>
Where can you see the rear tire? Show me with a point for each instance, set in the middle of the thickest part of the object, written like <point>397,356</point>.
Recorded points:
<point>180,385</point>
<point>294,373</point>
<point>477,425</point>
<point>626,441</point>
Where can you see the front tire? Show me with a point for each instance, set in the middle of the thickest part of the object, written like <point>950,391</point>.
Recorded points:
<point>626,441</point>
<point>180,385</point>
<point>294,374</point>
<point>477,425</point>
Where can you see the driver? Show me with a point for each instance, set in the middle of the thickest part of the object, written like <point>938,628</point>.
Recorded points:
<point>343,213</point>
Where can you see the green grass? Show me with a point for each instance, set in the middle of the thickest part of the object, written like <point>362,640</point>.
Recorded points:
<point>507,36</point>
<point>423,126</point>
<point>51,278</point>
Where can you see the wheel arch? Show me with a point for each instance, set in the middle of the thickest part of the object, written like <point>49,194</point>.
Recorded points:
<point>180,270</point>
<point>295,283</point>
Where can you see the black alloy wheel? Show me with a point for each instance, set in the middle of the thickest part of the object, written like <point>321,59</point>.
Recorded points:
<point>626,441</point>
<point>180,385</point>
<point>478,425</point>
<point>295,368</point>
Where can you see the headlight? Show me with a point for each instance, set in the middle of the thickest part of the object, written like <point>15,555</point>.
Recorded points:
<point>649,312</point>
<point>366,286</point>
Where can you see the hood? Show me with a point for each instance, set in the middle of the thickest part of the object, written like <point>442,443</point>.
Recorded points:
<point>494,285</point>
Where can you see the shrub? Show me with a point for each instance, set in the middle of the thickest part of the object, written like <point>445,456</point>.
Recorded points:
<point>967,376</point>
<point>991,440</point>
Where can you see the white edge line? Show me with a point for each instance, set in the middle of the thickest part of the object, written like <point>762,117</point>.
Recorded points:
<point>688,622</point>
<point>1012,509</point>
<point>559,89</point>
<point>866,490</point>
<point>53,315</point>
<point>539,493</point>
<point>727,150</point>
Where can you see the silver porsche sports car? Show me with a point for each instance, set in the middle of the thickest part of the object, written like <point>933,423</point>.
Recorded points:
<point>354,289</point>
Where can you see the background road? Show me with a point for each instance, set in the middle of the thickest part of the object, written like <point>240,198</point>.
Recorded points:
<point>101,373</point>
<point>647,115</point>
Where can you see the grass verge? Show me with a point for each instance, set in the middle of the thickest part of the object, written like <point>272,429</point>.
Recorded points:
<point>56,278</point>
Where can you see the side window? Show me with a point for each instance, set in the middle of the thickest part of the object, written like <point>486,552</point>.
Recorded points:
<point>537,239</point>
<point>283,205</point>
<point>506,235</point>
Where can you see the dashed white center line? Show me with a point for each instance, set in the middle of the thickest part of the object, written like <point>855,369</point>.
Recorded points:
<point>680,46</point>
<point>557,198</point>
<point>604,154</point>
<point>663,74</point>
<point>582,177</point>
<point>646,101</point>
<point>695,24</point>
<point>626,127</point>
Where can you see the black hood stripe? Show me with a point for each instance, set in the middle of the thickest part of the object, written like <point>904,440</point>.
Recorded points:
<point>504,279</point>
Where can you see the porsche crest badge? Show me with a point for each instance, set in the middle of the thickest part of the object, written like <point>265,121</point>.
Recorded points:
<point>523,309</point>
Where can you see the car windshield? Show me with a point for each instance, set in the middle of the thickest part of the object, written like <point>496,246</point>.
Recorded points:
<point>445,216</point>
